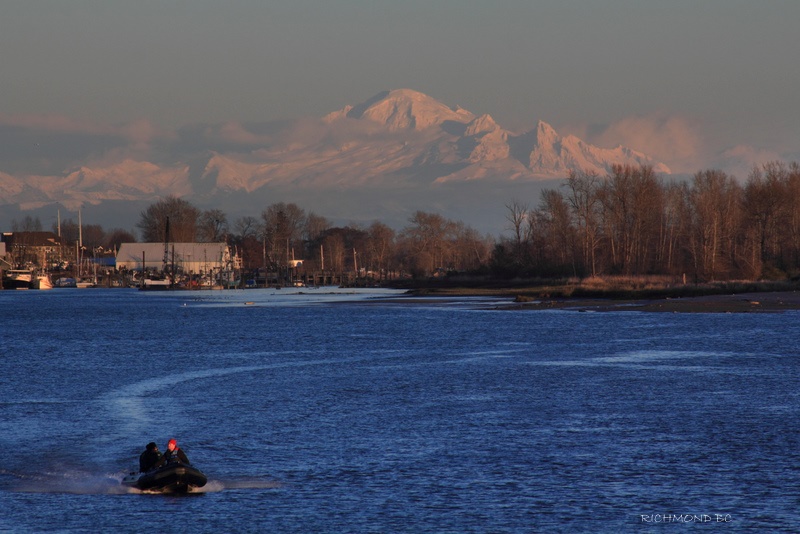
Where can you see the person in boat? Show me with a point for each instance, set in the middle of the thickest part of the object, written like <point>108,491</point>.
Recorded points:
<point>149,458</point>
<point>173,455</point>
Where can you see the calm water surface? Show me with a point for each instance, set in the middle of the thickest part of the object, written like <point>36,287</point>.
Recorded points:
<point>331,411</point>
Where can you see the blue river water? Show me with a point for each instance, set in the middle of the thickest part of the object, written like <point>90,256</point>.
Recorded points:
<point>358,411</point>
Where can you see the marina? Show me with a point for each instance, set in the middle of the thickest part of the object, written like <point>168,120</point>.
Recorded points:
<point>38,260</point>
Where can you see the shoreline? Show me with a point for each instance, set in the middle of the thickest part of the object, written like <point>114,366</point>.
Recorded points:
<point>745,302</point>
<point>766,302</point>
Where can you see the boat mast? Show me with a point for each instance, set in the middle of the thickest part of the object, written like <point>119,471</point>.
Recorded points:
<point>166,247</point>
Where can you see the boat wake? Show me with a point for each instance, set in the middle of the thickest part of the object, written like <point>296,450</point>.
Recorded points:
<point>247,483</point>
<point>86,483</point>
<point>129,401</point>
<point>215,486</point>
<point>131,404</point>
<point>646,359</point>
<point>75,482</point>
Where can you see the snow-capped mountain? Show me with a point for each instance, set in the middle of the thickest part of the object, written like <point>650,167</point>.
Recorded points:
<point>400,138</point>
<point>404,109</point>
<point>405,134</point>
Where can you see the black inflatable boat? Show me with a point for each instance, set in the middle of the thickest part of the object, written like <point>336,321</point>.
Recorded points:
<point>172,478</point>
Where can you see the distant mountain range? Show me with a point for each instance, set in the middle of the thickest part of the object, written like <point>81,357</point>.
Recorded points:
<point>397,140</point>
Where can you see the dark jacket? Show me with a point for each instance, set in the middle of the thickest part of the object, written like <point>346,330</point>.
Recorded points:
<point>176,456</point>
<point>170,457</point>
<point>148,460</point>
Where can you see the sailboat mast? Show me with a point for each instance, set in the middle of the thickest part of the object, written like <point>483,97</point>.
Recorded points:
<point>166,247</point>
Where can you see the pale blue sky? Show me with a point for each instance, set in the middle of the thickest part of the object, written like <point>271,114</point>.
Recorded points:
<point>695,77</point>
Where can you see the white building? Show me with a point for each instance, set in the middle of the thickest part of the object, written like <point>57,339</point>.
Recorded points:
<point>189,258</point>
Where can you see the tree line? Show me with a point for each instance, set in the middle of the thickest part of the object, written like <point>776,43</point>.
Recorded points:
<point>430,245</point>
<point>629,221</point>
<point>633,222</point>
<point>284,232</point>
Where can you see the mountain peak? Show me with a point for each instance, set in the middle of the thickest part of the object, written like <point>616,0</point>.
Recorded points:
<point>546,135</point>
<point>483,124</point>
<point>406,109</point>
<point>555,155</point>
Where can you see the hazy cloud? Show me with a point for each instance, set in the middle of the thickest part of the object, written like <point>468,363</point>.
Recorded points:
<point>741,159</point>
<point>236,133</point>
<point>141,133</point>
<point>54,124</point>
<point>673,140</point>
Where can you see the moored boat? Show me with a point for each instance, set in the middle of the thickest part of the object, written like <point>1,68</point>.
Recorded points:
<point>18,279</point>
<point>42,281</point>
<point>172,478</point>
<point>154,284</point>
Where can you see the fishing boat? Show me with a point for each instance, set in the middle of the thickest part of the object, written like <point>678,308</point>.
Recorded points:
<point>42,281</point>
<point>172,478</point>
<point>18,279</point>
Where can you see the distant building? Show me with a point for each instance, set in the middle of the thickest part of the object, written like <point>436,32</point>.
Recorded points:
<point>37,248</point>
<point>188,258</point>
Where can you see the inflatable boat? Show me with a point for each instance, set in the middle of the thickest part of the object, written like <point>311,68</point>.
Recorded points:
<point>172,478</point>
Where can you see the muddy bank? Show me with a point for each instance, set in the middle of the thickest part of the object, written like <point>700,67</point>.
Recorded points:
<point>771,302</point>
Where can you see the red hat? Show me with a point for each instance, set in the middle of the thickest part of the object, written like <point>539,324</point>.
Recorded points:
<point>173,441</point>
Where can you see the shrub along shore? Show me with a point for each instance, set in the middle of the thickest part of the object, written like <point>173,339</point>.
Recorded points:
<point>624,294</point>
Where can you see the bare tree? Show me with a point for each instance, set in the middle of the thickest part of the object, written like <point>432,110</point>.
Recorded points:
<point>69,231</point>
<point>585,203</point>
<point>428,239</point>
<point>182,221</point>
<point>517,217</point>
<point>671,228</point>
<point>711,203</point>
<point>246,227</point>
<point>282,230</point>
<point>791,233</point>
<point>470,250</point>
<point>380,242</point>
<point>334,246</point>
<point>28,224</point>
<point>632,203</point>
<point>93,236</point>
<point>116,236</point>
<point>764,197</point>
<point>212,226</point>
<point>558,231</point>
<point>245,238</point>
<point>315,225</point>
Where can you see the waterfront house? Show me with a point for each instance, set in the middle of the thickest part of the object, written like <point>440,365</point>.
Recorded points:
<point>32,248</point>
